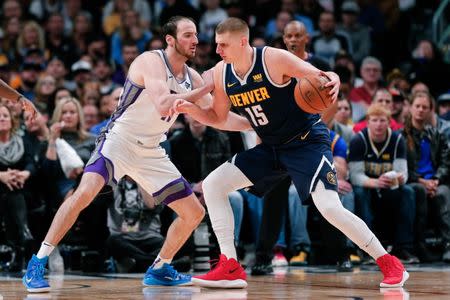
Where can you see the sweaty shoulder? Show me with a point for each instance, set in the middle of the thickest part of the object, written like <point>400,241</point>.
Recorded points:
<point>276,61</point>
<point>147,64</point>
<point>218,74</point>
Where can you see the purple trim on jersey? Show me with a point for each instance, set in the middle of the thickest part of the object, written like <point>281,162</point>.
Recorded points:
<point>129,87</point>
<point>173,191</point>
<point>100,165</point>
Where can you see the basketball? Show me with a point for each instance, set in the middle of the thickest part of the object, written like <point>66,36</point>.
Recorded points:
<point>311,94</point>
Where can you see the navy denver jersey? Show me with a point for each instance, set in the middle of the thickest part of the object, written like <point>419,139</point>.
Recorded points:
<point>270,107</point>
<point>378,159</point>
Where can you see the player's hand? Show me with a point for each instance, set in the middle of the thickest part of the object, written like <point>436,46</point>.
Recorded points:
<point>208,79</point>
<point>182,106</point>
<point>29,107</point>
<point>334,83</point>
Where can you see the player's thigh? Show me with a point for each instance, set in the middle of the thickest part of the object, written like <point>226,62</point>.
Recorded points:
<point>159,177</point>
<point>258,164</point>
<point>307,165</point>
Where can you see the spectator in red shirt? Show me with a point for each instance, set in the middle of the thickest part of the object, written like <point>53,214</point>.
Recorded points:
<point>361,97</point>
<point>385,98</point>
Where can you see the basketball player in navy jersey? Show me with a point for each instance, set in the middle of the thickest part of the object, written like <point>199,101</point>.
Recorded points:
<point>130,146</point>
<point>258,83</point>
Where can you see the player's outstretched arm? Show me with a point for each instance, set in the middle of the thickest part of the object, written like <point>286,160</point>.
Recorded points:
<point>282,63</point>
<point>148,70</point>
<point>11,94</point>
<point>232,122</point>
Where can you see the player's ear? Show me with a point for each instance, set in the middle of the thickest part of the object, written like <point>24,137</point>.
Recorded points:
<point>170,40</point>
<point>244,41</point>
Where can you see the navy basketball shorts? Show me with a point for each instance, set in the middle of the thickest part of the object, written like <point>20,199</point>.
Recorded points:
<point>306,159</point>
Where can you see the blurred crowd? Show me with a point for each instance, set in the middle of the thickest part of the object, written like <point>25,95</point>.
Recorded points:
<point>389,131</point>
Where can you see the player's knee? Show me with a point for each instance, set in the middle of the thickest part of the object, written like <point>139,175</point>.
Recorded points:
<point>327,201</point>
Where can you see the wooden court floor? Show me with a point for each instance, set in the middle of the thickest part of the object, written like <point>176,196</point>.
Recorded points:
<point>426,282</point>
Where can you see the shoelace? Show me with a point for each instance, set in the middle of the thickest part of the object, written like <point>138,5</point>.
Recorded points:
<point>38,271</point>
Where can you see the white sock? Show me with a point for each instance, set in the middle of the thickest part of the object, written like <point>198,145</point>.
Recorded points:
<point>159,262</point>
<point>45,250</point>
<point>216,187</point>
<point>329,205</point>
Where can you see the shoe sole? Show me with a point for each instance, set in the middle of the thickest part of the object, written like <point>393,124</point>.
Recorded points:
<point>400,284</point>
<point>165,283</point>
<point>221,284</point>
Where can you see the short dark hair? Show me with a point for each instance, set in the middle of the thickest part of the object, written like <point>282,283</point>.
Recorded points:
<point>170,28</point>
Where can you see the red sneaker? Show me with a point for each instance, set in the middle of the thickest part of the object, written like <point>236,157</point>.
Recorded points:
<point>227,273</point>
<point>393,270</point>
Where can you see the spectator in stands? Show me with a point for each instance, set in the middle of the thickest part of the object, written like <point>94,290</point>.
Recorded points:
<point>362,96</point>
<point>29,75</point>
<point>113,9</point>
<point>131,31</point>
<point>91,93</point>
<point>56,42</point>
<point>62,93</point>
<point>341,111</point>
<point>90,112</point>
<point>82,30</point>
<point>380,197</point>
<point>295,38</point>
<point>344,113</point>
<point>97,47</point>
<point>155,43</point>
<point>8,40</point>
<point>31,36</point>
<point>129,52</point>
<point>384,98</point>
<point>135,227</point>
<point>58,70</point>
<point>43,9</point>
<point>81,71</point>
<point>102,72</point>
<point>443,102</point>
<point>419,87</point>
<point>67,123</point>
<point>397,80</point>
<point>213,15</point>
<point>326,42</point>
<point>400,107</point>
<point>45,93</point>
<point>428,66</point>
<point>275,29</point>
<point>108,104</point>
<point>12,9</point>
<point>70,10</point>
<point>428,166</point>
<point>16,167</point>
<point>359,34</point>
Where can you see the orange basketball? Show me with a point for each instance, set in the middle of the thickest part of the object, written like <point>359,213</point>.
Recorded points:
<point>311,94</point>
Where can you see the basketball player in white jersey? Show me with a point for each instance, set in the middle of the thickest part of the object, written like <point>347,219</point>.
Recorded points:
<point>130,146</point>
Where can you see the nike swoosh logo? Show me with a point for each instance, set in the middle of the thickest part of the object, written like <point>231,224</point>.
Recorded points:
<point>302,137</point>
<point>232,271</point>
<point>28,280</point>
<point>230,84</point>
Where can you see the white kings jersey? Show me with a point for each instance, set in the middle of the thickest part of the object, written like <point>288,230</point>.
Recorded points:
<point>136,116</point>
